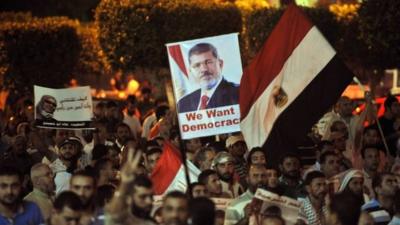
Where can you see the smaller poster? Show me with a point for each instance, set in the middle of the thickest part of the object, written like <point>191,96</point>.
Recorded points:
<point>68,108</point>
<point>268,203</point>
<point>206,76</point>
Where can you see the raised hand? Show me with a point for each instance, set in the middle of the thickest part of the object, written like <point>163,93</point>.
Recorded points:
<point>132,163</point>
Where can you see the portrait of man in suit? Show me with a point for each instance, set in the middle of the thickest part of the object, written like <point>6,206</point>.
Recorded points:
<point>45,109</point>
<point>205,67</point>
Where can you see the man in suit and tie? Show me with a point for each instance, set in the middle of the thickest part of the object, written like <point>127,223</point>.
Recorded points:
<point>215,91</point>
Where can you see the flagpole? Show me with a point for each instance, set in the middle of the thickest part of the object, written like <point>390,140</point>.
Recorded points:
<point>182,149</point>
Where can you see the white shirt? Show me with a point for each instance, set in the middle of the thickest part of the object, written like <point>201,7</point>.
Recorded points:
<point>134,123</point>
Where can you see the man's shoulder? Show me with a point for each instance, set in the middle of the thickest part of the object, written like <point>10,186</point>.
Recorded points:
<point>228,84</point>
<point>31,207</point>
<point>191,95</point>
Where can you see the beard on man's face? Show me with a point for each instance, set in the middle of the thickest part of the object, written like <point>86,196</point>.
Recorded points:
<point>141,212</point>
<point>227,177</point>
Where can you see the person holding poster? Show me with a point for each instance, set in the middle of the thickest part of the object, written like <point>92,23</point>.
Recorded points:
<point>206,69</point>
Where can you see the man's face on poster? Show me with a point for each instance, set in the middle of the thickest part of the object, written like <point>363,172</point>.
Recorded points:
<point>49,104</point>
<point>206,69</point>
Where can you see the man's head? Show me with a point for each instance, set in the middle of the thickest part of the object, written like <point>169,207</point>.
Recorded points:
<point>202,211</point>
<point>142,197</point>
<point>330,163</point>
<point>198,189</point>
<point>257,177</point>
<point>131,104</point>
<point>223,164</point>
<point>290,166</point>
<point>67,209</point>
<point>236,146</point>
<point>83,183</point>
<point>370,155</point>
<point>42,178</point>
<point>316,187</point>
<point>204,158</point>
<point>371,136</point>
<point>104,169</point>
<point>343,210</point>
<point>193,145</point>
<point>256,156</point>
<point>123,132</point>
<point>210,179</point>
<point>392,106</point>
<point>205,65</point>
<point>344,106</point>
<point>70,149</point>
<point>152,156</point>
<point>19,144</point>
<point>10,186</point>
<point>48,104</point>
<point>272,177</point>
<point>175,209</point>
<point>353,182</point>
<point>384,185</point>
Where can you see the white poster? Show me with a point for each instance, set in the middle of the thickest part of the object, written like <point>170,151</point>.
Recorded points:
<point>68,108</point>
<point>206,74</point>
<point>266,202</point>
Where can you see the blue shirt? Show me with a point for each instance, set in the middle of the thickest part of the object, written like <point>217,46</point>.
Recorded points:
<point>28,214</point>
<point>395,221</point>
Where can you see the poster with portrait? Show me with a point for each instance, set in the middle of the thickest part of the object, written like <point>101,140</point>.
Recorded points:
<point>268,203</point>
<point>206,75</point>
<point>68,108</point>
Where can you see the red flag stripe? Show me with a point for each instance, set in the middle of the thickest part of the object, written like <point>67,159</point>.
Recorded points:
<point>267,64</point>
<point>166,168</point>
<point>176,53</point>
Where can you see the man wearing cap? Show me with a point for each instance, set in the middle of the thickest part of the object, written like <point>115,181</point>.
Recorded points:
<point>69,153</point>
<point>223,163</point>
<point>237,148</point>
<point>353,183</point>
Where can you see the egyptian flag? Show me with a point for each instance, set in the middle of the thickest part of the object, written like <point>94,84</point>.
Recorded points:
<point>169,171</point>
<point>290,84</point>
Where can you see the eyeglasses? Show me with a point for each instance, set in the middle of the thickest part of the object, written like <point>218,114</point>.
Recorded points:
<point>50,103</point>
<point>208,62</point>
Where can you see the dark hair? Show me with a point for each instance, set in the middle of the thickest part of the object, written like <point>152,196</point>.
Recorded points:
<point>100,165</point>
<point>131,99</point>
<point>289,155</point>
<point>104,194</point>
<point>390,99</point>
<point>275,218</point>
<point>342,204</point>
<point>145,90</point>
<point>68,199</point>
<point>201,48</point>
<point>122,125</point>
<point>313,175</point>
<point>203,177</point>
<point>142,181</point>
<point>111,104</point>
<point>85,173</point>
<point>192,186</point>
<point>202,211</point>
<point>153,151</point>
<point>377,180</point>
<point>364,149</point>
<point>7,170</point>
<point>323,143</point>
<point>99,151</point>
<point>161,111</point>
<point>174,133</point>
<point>176,194</point>
<point>333,127</point>
<point>252,151</point>
<point>324,156</point>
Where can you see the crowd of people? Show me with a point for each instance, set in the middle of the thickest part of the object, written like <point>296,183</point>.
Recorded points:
<point>103,175</point>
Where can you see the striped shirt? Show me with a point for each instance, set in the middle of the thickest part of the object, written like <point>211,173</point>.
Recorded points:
<point>310,215</point>
<point>380,215</point>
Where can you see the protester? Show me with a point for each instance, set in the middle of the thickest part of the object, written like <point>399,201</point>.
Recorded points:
<point>175,209</point>
<point>197,189</point>
<point>210,179</point>
<point>12,209</point>
<point>290,179</point>
<point>223,164</point>
<point>43,189</point>
<point>67,209</point>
